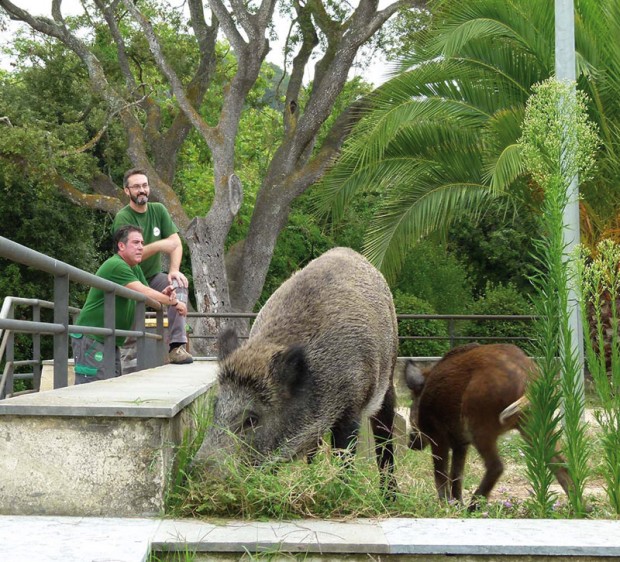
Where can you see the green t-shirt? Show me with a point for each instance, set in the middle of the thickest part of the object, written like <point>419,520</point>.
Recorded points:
<point>118,270</point>
<point>156,225</point>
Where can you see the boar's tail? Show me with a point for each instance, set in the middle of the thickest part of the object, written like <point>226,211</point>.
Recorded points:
<point>508,414</point>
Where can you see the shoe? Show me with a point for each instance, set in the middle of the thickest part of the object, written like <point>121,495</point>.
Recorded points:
<point>180,356</point>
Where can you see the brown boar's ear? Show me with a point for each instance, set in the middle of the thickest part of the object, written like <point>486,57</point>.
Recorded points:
<point>414,377</point>
<point>289,367</point>
<point>227,342</point>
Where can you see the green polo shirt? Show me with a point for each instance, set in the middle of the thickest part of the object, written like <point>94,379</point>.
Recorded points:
<point>156,225</point>
<point>114,269</point>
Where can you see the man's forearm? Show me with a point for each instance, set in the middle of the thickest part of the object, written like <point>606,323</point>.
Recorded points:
<point>170,246</point>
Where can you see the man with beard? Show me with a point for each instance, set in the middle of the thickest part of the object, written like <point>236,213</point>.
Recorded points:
<point>160,236</point>
<point>121,268</point>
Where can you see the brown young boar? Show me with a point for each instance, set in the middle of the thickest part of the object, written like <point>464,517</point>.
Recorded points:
<point>473,395</point>
<point>320,357</point>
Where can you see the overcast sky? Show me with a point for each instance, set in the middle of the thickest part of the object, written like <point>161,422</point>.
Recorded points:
<point>374,74</point>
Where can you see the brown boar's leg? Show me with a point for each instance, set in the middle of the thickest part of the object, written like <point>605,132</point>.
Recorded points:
<point>459,454</point>
<point>558,467</point>
<point>440,450</point>
<point>382,427</point>
<point>487,448</point>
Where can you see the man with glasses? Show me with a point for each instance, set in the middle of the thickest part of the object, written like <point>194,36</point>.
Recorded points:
<point>160,236</point>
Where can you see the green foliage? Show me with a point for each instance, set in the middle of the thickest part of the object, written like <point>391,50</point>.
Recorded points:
<point>496,248</point>
<point>45,222</point>
<point>558,143</point>
<point>599,281</point>
<point>410,304</point>
<point>503,300</point>
<point>436,276</point>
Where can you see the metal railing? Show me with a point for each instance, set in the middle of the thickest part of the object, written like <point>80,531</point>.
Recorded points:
<point>60,328</point>
<point>453,337</point>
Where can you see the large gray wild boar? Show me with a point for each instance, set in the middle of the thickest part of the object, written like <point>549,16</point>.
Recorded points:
<point>472,396</point>
<point>320,357</point>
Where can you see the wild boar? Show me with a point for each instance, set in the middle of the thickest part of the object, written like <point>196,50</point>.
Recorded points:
<point>319,358</point>
<point>473,395</point>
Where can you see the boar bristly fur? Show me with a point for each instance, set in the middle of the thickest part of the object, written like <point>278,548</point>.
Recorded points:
<point>320,357</point>
<point>472,396</point>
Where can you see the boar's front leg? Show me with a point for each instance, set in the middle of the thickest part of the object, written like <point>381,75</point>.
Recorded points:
<point>441,451</point>
<point>345,433</point>
<point>459,454</point>
<point>382,424</point>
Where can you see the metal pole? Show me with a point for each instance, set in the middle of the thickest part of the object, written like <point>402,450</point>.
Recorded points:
<point>565,69</point>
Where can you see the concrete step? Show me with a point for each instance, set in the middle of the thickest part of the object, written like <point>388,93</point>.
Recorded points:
<point>73,539</point>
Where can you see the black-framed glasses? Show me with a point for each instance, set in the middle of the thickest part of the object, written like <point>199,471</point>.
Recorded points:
<point>138,186</point>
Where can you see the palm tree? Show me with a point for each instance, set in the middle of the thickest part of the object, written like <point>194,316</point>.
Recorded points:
<point>440,138</point>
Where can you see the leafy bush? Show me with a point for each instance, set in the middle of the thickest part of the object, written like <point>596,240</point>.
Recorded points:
<point>410,304</point>
<point>499,300</point>
<point>436,276</point>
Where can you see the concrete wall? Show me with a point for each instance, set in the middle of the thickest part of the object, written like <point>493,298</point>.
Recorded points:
<point>101,449</point>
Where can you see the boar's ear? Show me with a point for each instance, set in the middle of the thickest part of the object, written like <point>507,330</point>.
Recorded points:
<point>227,342</point>
<point>289,367</point>
<point>414,377</point>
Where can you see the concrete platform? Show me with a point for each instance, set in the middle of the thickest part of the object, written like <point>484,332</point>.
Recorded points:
<point>69,539</point>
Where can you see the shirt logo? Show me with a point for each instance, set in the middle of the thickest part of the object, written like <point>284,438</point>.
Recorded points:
<point>156,231</point>
<point>98,356</point>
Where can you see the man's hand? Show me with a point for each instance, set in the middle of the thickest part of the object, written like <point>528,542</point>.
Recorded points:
<point>181,308</point>
<point>179,277</point>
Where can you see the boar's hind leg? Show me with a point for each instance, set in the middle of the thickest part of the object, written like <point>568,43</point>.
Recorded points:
<point>493,465</point>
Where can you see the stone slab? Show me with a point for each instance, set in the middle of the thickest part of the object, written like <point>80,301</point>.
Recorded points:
<point>76,539</point>
<point>281,536</point>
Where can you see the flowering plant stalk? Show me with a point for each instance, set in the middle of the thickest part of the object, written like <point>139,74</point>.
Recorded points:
<point>557,145</point>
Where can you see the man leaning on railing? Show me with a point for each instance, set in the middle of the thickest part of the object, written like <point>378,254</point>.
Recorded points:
<point>122,268</point>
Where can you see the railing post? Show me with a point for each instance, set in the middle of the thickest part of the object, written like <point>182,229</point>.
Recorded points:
<point>36,349</point>
<point>161,344</point>
<point>109,341</point>
<point>7,386</point>
<point>61,340</point>
<point>451,332</point>
<point>141,340</point>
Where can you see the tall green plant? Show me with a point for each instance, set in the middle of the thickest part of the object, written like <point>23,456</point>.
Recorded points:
<point>599,281</point>
<point>557,145</point>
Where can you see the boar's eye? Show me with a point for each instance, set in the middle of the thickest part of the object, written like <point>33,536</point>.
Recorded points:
<point>250,422</point>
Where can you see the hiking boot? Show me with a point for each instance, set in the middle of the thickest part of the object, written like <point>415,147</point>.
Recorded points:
<point>180,356</point>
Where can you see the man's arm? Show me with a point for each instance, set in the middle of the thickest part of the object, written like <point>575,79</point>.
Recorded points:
<point>170,246</point>
<point>167,296</point>
<point>174,248</point>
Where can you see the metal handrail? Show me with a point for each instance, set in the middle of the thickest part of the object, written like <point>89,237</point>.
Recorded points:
<point>60,328</point>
